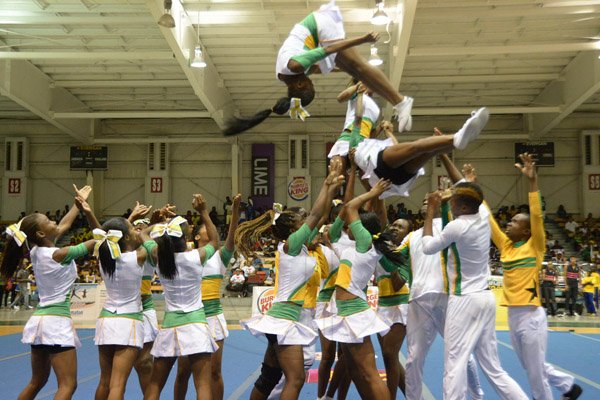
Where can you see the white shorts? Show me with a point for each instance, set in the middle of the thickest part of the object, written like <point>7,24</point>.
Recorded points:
<point>184,340</point>
<point>340,148</point>
<point>218,326</point>
<point>50,330</point>
<point>150,325</point>
<point>119,331</point>
<point>366,157</point>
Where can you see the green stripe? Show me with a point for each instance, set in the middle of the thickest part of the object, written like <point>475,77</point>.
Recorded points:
<point>62,309</point>
<point>138,316</point>
<point>383,277</point>
<point>346,262</point>
<point>300,302</point>
<point>458,282</point>
<point>331,275</point>
<point>528,265</point>
<point>445,221</point>
<point>519,261</point>
<point>146,278</point>
<point>350,307</point>
<point>390,301</point>
<point>310,23</point>
<point>178,318</point>
<point>212,277</point>
<point>325,295</point>
<point>289,311</point>
<point>212,307</point>
<point>147,302</point>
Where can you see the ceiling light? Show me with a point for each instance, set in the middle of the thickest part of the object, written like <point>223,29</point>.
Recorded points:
<point>198,60</point>
<point>379,16</point>
<point>166,19</point>
<point>375,60</point>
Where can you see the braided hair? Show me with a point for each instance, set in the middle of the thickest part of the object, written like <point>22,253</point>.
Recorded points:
<point>384,241</point>
<point>249,232</point>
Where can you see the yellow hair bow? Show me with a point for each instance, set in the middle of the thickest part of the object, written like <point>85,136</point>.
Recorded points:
<point>376,236</point>
<point>111,237</point>
<point>16,233</point>
<point>173,228</point>
<point>278,208</point>
<point>296,110</point>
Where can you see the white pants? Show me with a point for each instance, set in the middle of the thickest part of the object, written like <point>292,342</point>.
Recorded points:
<point>529,337</point>
<point>471,328</point>
<point>306,317</point>
<point>426,318</point>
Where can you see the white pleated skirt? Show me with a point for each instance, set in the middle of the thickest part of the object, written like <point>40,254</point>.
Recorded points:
<point>218,326</point>
<point>352,328</point>
<point>119,331</point>
<point>50,330</point>
<point>183,340</point>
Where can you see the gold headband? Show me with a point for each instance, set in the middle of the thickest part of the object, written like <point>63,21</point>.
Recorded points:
<point>467,191</point>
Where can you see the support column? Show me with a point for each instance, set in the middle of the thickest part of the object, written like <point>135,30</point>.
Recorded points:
<point>157,190</point>
<point>298,180</point>
<point>236,163</point>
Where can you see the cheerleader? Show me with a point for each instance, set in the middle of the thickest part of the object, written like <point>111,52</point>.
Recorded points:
<point>281,324</point>
<point>402,163</point>
<point>317,45</point>
<point>212,278</point>
<point>393,308</point>
<point>185,331</point>
<point>143,364</point>
<point>49,331</point>
<point>120,327</point>
<point>355,321</point>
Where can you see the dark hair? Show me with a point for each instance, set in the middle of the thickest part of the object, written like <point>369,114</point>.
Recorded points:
<point>167,246</point>
<point>469,194</point>
<point>13,253</point>
<point>107,263</point>
<point>249,232</point>
<point>238,125</point>
<point>384,241</point>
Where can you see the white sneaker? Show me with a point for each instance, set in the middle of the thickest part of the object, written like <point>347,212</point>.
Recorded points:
<point>29,307</point>
<point>402,111</point>
<point>471,129</point>
<point>16,307</point>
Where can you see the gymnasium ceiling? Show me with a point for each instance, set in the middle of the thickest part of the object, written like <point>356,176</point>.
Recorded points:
<point>74,63</point>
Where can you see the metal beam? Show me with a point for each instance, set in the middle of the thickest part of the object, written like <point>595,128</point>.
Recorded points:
<point>131,114</point>
<point>481,78</point>
<point>49,19</point>
<point>126,83</point>
<point>86,55</point>
<point>493,110</point>
<point>206,82</point>
<point>508,49</point>
<point>581,81</point>
<point>399,46</point>
<point>29,87</point>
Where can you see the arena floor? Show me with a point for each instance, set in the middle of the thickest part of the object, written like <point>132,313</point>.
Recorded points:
<point>574,346</point>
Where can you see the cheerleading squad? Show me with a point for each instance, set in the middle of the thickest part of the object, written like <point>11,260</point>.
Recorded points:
<point>431,281</point>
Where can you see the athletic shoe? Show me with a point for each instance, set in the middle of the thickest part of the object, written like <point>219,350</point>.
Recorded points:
<point>29,307</point>
<point>402,112</point>
<point>16,308</point>
<point>471,129</point>
<point>574,393</point>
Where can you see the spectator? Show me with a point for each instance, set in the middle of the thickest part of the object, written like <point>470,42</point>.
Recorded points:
<point>561,213</point>
<point>9,290</point>
<point>571,225</point>
<point>225,204</point>
<point>248,269</point>
<point>572,279</point>
<point>270,281</point>
<point>391,213</point>
<point>588,291</point>
<point>214,216</point>
<point>56,216</point>
<point>237,282</point>
<point>549,279</point>
<point>2,286</point>
<point>23,282</point>
<point>250,209</point>
<point>401,211</point>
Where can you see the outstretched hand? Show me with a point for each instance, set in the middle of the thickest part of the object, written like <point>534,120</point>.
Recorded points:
<point>82,205</point>
<point>371,37</point>
<point>84,192</point>
<point>434,200</point>
<point>381,186</point>
<point>468,171</point>
<point>139,211</point>
<point>199,203</point>
<point>527,165</point>
<point>237,200</point>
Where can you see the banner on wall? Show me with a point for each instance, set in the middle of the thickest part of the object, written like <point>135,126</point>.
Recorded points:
<point>299,188</point>
<point>263,175</point>
<point>87,301</point>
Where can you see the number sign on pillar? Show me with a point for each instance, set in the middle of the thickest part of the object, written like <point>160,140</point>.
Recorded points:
<point>14,186</point>
<point>594,182</point>
<point>156,185</point>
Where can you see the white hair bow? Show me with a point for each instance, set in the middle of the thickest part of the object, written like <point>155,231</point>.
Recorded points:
<point>278,208</point>
<point>111,237</point>
<point>173,228</point>
<point>16,233</point>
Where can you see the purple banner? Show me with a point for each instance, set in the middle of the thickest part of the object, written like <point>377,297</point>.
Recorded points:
<point>263,175</point>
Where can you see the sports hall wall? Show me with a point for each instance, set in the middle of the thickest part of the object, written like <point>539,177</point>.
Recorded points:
<point>207,167</point>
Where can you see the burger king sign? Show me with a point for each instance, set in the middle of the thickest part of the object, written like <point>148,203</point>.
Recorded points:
<point>298,188</point>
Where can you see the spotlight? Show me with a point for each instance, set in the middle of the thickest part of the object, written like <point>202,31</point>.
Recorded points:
<point>379,16</point>
<point>375,60</point>
<point>198,59</point>
<point>166,19</point>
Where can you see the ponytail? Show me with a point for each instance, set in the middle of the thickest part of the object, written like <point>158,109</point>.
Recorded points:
<point>107,262</point>
<point>13,251</point>
<point>277,225</point>
<point>384,243</point>
<point>238,125</point>
<point>166,257</point>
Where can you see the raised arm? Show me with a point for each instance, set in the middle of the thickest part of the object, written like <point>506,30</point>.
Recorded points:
<point>67,254</point>
<point>65,223</point>
<point>199,204</point>
<point>235,218</point>
<point>347,93</point>
<point>388,128</point>
<point>536,217</point>
<point>331,183</point>
<point>139,211</point>
<point>350,210</point>
<point>85,208</point>
<point>453,172</point>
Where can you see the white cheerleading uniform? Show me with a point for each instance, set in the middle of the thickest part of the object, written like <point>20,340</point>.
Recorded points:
<point>371,113</point>
<point>392,305</point>
<point>354,319</point>
<point>121,319</point>
<point>184,330</point>
<point>325,306</point>
<point>366,157</point>
<point>148,309</point>
<point>321,26</point>
<point>471,312</point>
<point>212,276</point>
<point>283,319</point>
<point>51,323</point>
